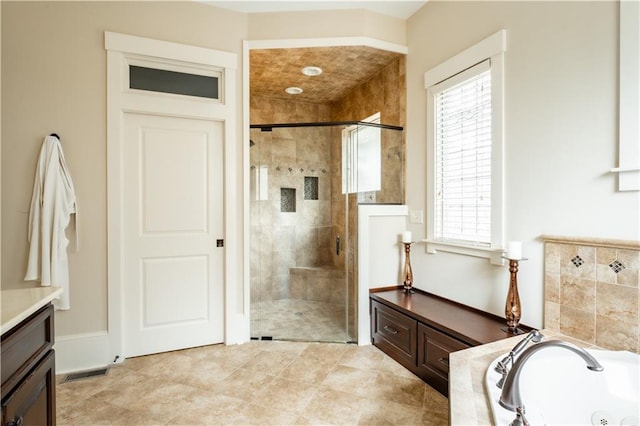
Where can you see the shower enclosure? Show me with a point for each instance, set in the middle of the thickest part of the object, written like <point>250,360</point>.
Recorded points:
<point>306,182</point>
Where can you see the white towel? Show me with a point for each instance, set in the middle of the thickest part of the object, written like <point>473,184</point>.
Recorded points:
<point>52,204</point>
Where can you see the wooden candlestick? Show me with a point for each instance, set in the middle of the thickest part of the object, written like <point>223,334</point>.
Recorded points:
<point>512,309</point>
<point>408,273</point>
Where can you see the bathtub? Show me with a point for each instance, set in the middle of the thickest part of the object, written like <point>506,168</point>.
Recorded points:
<point>558,389</point>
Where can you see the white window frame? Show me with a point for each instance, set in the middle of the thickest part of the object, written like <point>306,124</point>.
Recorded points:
<point>492,48</point>
<point>351,165</point>
<point>629,127</point>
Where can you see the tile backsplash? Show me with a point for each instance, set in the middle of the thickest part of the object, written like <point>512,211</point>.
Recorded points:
<point>591,290</point>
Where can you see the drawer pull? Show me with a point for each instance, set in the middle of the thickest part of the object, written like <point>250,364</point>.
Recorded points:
<point>390,329</point>
<point>444,361</point>
<point>18,421</point>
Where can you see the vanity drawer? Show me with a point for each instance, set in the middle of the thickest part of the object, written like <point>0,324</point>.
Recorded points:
<point>23,346</point>
<point>434,348</point>
<point>394,332</point>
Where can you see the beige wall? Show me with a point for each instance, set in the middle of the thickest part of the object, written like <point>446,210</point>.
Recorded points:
<point>561,69</point>
<point>54,80</point>
<point>324,23</point>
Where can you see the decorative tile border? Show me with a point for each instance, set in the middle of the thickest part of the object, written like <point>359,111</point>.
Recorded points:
<point>592,290</point>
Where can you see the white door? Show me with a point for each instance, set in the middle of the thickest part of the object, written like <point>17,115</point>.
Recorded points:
<point>173,217</point>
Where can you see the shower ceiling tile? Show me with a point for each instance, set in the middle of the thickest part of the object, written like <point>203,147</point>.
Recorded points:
<point>273,70</point>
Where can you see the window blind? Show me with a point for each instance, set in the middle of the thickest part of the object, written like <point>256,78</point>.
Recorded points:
<point>463,157</point>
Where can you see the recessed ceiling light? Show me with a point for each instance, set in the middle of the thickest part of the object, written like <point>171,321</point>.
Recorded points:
<point>311,71</point>
<point>293,90</point>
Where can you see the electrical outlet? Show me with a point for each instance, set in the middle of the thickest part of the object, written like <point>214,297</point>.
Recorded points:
<point>415,216</point>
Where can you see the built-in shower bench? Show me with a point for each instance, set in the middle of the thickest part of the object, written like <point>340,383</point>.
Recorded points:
<point>420,330</point>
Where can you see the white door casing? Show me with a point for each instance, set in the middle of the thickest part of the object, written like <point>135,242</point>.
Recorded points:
<point>171,253</point>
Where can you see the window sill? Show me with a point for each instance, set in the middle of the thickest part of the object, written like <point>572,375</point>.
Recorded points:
<point>493,254</point>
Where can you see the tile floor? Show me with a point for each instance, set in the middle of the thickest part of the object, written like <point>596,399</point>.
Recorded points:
<point>295,319</point>
<point>258,383</point>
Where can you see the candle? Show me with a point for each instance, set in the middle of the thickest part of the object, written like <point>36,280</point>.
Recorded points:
<point>514,250</point>
<point>406,237</point>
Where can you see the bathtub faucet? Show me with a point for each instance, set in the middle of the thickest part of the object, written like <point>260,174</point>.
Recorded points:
<point>502,366</point>
<point>510,397</point>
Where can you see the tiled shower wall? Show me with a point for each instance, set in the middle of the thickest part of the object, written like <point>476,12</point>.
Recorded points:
<point>300,234</point>
<point>592,292</point>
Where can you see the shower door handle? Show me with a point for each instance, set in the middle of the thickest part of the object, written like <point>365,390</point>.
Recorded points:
<point>338,245</point>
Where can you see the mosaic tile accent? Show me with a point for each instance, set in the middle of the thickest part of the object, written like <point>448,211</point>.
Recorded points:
<point>287,200</point>
<point>616,266</point>
<point>577,261</point>
<point>310,188</point>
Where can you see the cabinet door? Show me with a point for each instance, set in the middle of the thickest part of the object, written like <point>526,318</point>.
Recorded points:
<point>33,401</point>
<point>394,333</point>
<point>434,348</point>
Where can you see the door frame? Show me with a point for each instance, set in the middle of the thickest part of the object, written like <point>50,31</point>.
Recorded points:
<point>121,47</point>
<point>247,46</point>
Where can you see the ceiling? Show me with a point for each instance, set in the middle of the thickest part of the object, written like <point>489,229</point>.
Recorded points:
<point>273,70</point>
<point>400,9</point>
<point>343,68</point>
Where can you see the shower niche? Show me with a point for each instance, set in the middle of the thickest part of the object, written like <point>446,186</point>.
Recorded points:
<point>306,181</point>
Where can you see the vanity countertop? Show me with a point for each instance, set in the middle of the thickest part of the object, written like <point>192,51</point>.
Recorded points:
<point>468,404</point>
<point>18,304</point>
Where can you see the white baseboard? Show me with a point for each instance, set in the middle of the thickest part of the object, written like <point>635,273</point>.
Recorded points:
<point>81,352</point>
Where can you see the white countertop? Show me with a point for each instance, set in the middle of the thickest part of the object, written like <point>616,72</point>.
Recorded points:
<point>18,304</point>
<point>468,404</point>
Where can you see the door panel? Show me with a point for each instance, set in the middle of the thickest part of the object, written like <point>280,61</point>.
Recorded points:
<point>174,181</point>
<point>173,215</point>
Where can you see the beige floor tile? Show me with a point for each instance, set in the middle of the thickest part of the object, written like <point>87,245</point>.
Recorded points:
<point>260,383</point>
<point>243,384</point>
<point>352,380</point>
<point>332,407</point>
<point>259,415</point>
<point>166,400</point>
<point>390,413</point>
<point>129,389</point>
<point>179,368</point>
<point>207,408</point>
<point>325,352</point>
<point>389,365</point>
<point>307,370</point>
<point>136,363</point>
<point>363,357</point>
<point>270,362</point>
<point>407,391</point>
<point>435,401</point>
<point>435,418</point>
<point>232,355</point>
<point>71,392</point>
<point>286,395</point>
<point>96,411</point>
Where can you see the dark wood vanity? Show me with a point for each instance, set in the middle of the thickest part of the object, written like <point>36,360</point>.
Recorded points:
<point>420,330</point>
<point>28,371</point>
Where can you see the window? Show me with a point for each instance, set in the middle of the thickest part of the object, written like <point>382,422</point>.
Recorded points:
<point>361,157</point>
<point>465,145</point>
<point>463,157</point>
